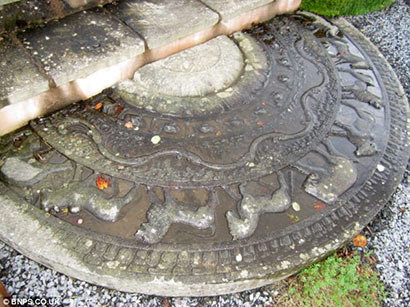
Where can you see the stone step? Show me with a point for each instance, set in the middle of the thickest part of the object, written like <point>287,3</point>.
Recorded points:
<point>46,68</point>
<point>20,14</point>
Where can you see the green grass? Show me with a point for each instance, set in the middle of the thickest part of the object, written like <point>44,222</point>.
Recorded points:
<point>337,281</point>
<point>344,7</point>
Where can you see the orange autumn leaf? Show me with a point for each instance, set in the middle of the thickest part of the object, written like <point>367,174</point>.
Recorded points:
<point>319,206</point>
<point>360,241</point>
<point>118,109</point>
<point>98,106</point>
<point>102,183</point>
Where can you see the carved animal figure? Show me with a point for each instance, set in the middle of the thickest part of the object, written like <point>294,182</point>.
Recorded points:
<point>320,23</point>
<point>78,195</point>
<point>163,214</point>
<point>359,92</point>
<point>345,56</point>
<point>359,133</point>
<point>250,208</point>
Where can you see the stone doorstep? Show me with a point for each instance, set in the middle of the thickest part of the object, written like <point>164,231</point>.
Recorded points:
<point>20,79</point>
<point>80,60</point>
<point>20,14</point>
<point>162,22</point>
<point>81,44</point>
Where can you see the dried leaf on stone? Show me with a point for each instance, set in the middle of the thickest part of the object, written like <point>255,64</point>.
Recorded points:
<point>98,106</point>
<point>118,109</point>
<point>360,241</point>
<point>319,206</point>
<point>102,182</point>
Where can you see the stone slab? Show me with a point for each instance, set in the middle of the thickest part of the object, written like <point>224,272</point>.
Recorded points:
<point>81,44</point>
<point>229,9</point>
<point>19,77</point>
<point>161,22</point>
<point>23,14</point>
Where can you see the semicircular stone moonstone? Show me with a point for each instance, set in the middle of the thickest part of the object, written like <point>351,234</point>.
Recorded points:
<point>197,71</point>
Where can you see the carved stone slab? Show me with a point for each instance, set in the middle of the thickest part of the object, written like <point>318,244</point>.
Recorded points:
<point>190,73</point>
<point>174,191</point>
<point>162,22</point>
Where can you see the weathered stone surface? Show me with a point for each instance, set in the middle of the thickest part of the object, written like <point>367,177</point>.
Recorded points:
<point>145,91</point>
<point>231,8</point>
<point>19,77</point>
<point>97,79</point>
<point>161,22</point>
<point>81,44</point>
<point>291,160</point>
<point>197,71</point>
<point>22,14</point>
<point>17,170</point>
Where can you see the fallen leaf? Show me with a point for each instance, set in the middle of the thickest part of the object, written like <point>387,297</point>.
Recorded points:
<point>319,206</point>
<point>260,123</point>
<point>128,125</point>
<point>218,133</point>
<point>102,183</point>
<point>360,241</point>
<point>98,106</point>
<point>118,109</point>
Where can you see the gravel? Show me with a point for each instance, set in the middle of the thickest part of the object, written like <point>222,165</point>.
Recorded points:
<point>389,30</point>
<point>389,233</point>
